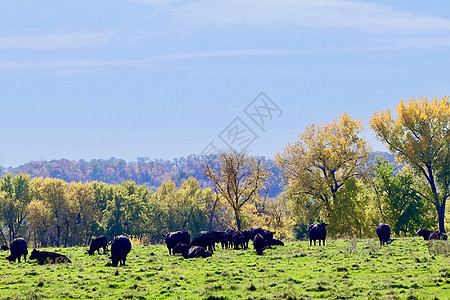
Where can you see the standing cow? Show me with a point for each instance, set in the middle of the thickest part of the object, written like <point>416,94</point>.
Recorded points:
<point>120,248</point>
<point>174,238</point>
<point>258,244</point>
<point>18,248</point>
<point>317,232</point>
<point>97,243</point>
<point>384,233</point>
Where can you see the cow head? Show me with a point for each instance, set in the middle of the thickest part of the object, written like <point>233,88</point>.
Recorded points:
<point>115,261</point>
<point>34,254</point>
<point>420,232</point>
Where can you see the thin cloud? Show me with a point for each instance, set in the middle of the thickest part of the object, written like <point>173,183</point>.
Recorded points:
<point>223,53</point>
<point>416,42</point>
<point>338,14</point>
<point>71,64</point>
<point>56,41</point>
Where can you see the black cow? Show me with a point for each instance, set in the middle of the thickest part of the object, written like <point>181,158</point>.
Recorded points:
<point>219,237</point>
<point>190,251</point>
<point>174,238</point>
<point>256,230</point>
<point>317,232</point>
<point>258,244</point>
<point>120,248</point>
<point>206,241</point>
<point>48,257</point>
<point>384,233</point>
<point>222,237</point>
<point>431,235</point>
<point>227,238</point>
<point>276,242</point>
<point>5,247</point>
<point>438,236</point>
<point>266,234</point>
<point>97,243</point>
<point>18,248</point>
<point>238,239</point>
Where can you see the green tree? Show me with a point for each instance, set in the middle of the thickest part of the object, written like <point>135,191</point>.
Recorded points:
<point>126,209</point>
<point>239,179</point>
<point>397,200</point>
<point>418,134</point>
<point>14,199</point>
<point>183,208</point>
<point>322,168</point>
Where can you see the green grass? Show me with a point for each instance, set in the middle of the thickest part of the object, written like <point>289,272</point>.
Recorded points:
<point>343,269</point>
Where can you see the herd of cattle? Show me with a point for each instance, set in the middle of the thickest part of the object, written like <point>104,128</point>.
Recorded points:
<point>205,243</point>
<point>179,242</point>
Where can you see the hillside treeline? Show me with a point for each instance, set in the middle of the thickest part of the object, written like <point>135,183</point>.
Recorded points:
<point>144,171</point>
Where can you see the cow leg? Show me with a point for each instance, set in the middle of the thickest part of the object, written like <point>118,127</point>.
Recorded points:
<point>310,242</point>
<point>324,242</point>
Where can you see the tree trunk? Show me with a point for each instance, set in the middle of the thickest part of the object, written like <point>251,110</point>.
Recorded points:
<point>213,212</point>
<point>238,221</point>
<point>441,217</point>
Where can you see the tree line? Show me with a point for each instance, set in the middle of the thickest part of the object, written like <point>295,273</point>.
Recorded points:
<point>327,175</point>
<point>55,213</point>
<point>144,171</point>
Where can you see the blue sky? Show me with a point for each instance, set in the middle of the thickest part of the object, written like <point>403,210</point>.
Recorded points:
<point>163,79</point>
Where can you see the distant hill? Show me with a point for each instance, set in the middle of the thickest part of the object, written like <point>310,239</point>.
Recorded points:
<point>144,171</point>
<point>388,156</point>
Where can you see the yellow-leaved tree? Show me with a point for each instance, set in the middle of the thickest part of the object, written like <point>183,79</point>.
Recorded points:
<point>417,132</point>
<point>322,170</point>
<point>238,180</point>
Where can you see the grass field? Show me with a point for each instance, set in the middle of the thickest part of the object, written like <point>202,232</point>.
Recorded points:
<point>343,269</point>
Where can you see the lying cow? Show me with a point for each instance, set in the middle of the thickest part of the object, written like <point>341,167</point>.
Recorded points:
<point>276,242</point>
<point>431,235</point>
<point>189,251</point>
<point>384,233</point>
<point>317,232</point>
<point>174,238</point>
<point>44,257</point>
<point>97,243</point>
<point>4,247</point>
<point>18,248</point>
<point>120,248</point>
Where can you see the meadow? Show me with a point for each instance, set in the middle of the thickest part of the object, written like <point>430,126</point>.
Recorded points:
<point>343,269</point>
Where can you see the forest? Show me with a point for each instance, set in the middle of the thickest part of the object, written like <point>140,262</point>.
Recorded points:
<point>330,174</point>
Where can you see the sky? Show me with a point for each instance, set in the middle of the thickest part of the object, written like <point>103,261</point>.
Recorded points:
<point>169,78</point>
